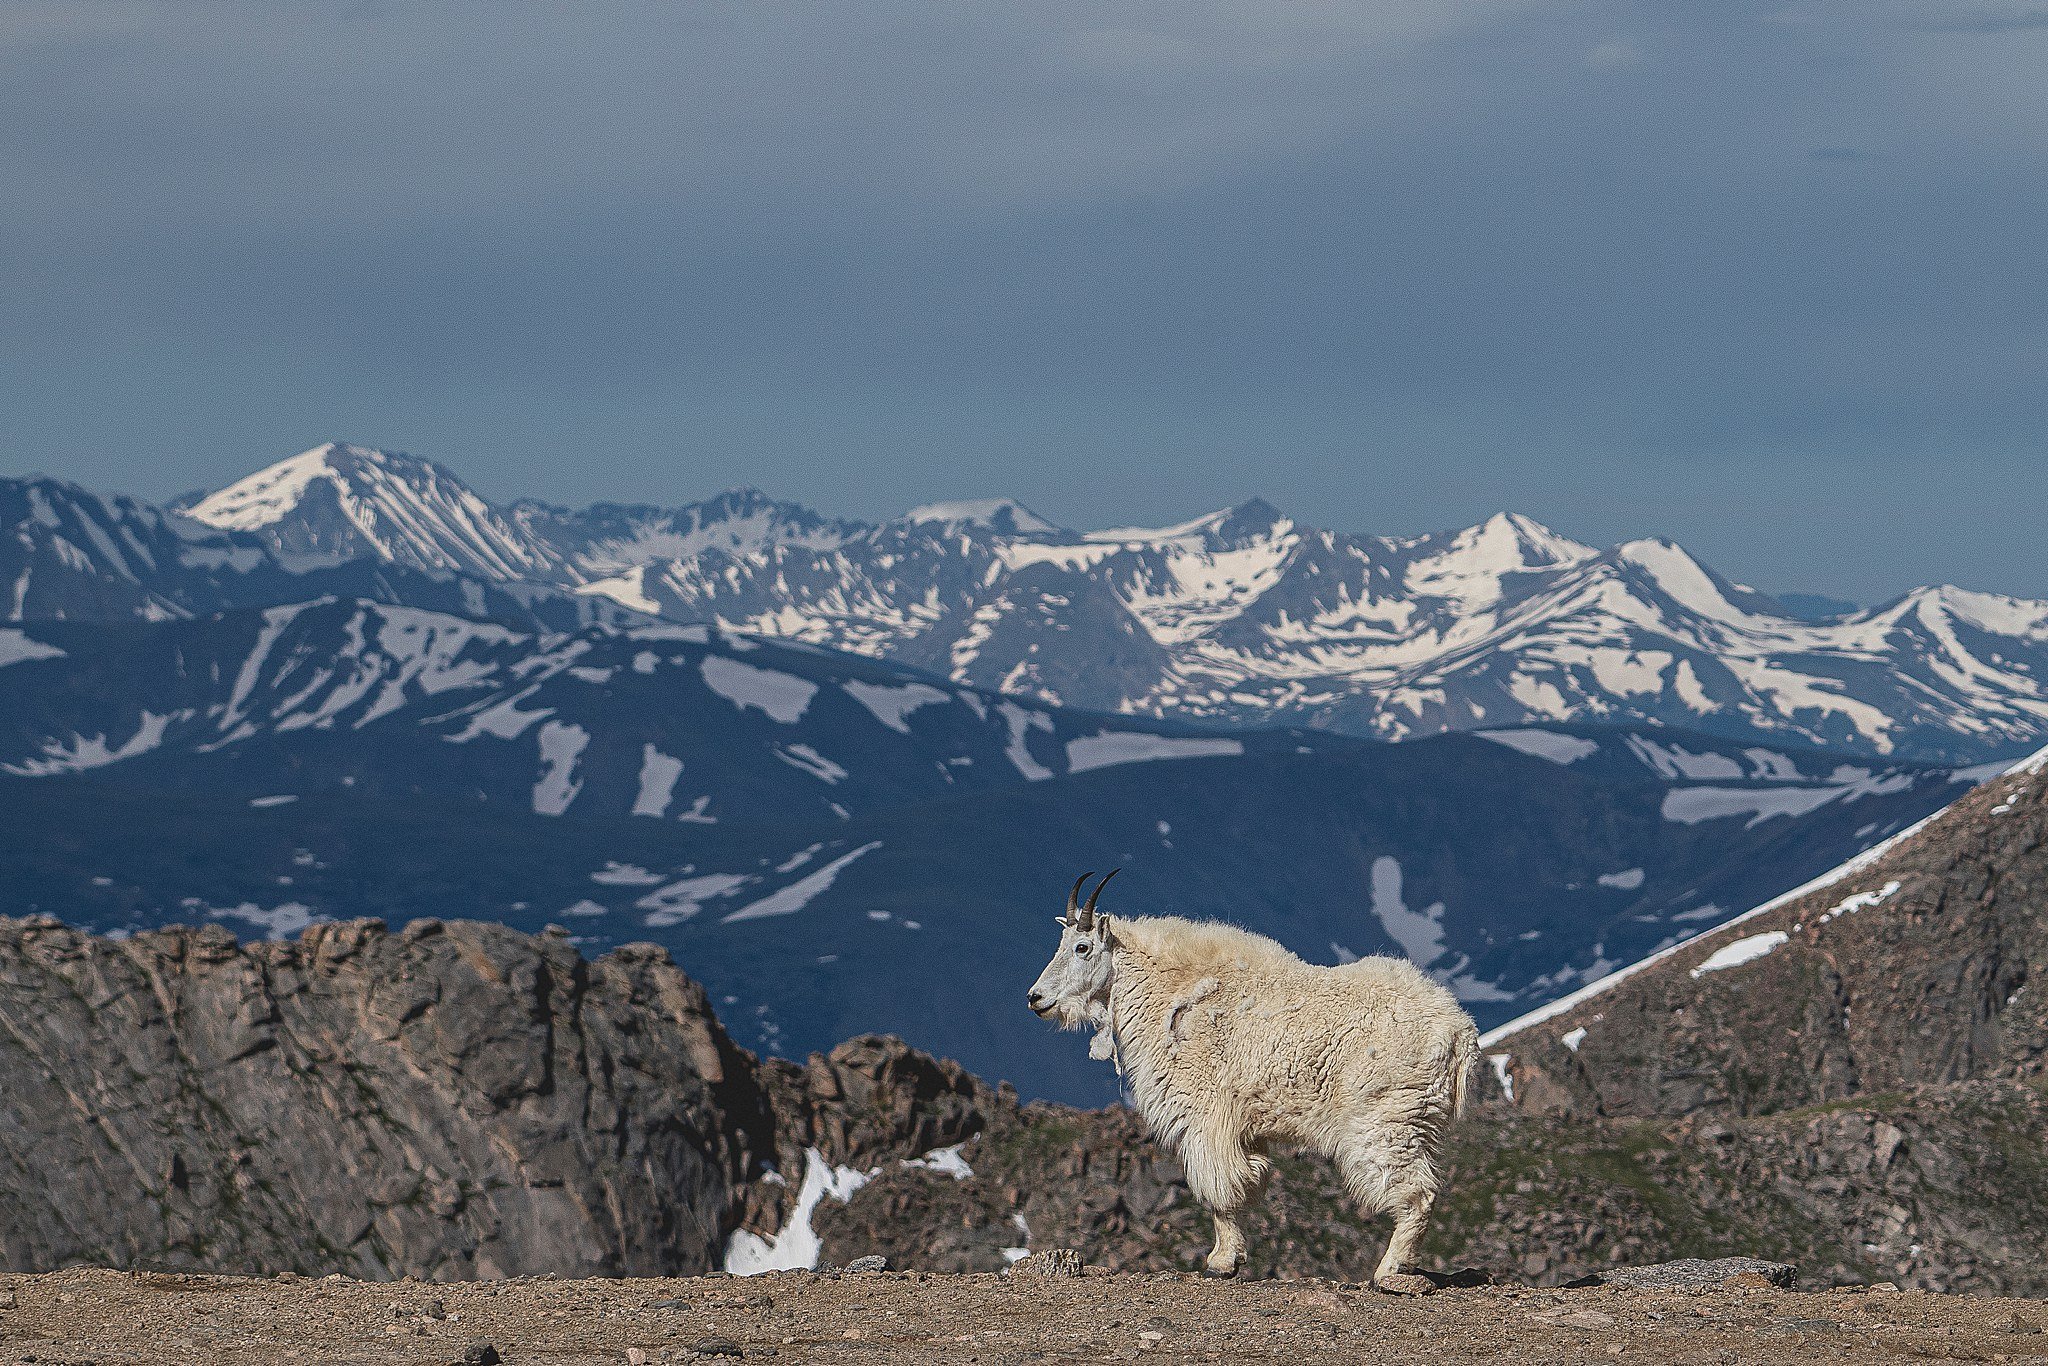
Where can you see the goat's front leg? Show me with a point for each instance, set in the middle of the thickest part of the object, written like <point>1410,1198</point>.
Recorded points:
<point>1227,1255</point>
<point>1225,1177</point>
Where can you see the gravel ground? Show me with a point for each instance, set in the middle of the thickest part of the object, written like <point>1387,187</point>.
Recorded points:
<point>102,1317</point>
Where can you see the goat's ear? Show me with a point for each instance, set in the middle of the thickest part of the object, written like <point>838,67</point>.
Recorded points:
<point>1102,928</point>
<point>1060,920</point>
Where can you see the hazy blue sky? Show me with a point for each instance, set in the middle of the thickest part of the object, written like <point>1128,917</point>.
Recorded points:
<point>1767,278</point>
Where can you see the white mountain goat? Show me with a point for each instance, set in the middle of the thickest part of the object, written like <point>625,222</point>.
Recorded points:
<point>1228,1042</point>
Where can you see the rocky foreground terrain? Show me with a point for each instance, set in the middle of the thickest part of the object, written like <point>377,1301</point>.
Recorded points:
<point>108,1318</point>
<point>459,1101</point>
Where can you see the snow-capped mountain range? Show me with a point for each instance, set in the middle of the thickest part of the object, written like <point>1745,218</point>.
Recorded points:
<point>1241,617</point>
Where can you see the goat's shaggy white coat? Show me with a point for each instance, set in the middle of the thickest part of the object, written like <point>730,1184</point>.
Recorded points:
<point>1228,1042</point>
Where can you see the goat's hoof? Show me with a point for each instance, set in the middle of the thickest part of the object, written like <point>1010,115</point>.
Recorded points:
<point>1405,1283</point>
<point>1222,1271</point>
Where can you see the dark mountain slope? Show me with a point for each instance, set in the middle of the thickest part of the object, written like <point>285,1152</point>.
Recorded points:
<point>828,838</point>
<point>1922,965</point>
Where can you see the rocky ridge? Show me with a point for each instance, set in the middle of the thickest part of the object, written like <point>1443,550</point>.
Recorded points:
<point>457,1100</point>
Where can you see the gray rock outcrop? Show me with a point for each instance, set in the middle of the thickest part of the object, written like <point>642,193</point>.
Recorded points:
<point>453,1100</point>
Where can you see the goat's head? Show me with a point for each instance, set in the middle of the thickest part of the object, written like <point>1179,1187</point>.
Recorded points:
<point>1074,988</point>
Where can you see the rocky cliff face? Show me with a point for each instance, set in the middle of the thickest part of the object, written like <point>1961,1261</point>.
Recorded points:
<point>454,1100</point>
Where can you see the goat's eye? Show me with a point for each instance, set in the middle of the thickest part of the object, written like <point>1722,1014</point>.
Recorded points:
<point>1081,949</point>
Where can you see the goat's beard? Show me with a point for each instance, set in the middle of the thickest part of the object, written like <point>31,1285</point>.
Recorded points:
<point>1102,1047</point>
<point>1096,1016</point>
<point>1087,1015</point>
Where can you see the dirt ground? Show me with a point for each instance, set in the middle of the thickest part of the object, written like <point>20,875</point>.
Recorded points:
<point>103,1317</point>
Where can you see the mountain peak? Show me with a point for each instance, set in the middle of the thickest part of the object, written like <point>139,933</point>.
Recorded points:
<point>1993,612</point>
<point>1532,544</point>
<point>339,500</point>
<point>268,496</point>
<point>271,493</point>
<point>1253,517</point>
<point>998,514</point>
<point>1471,566</point>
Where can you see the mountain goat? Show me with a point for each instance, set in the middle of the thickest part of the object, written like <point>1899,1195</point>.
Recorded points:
<point>1227,1042</point>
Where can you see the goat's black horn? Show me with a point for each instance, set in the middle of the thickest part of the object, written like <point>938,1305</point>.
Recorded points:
<point>1074,897</point>
<point>1098,890</point>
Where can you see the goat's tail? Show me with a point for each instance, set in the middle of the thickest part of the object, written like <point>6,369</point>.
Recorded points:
<point>1464,1066</point>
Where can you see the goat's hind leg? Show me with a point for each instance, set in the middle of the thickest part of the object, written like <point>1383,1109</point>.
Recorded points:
<point>1409,1196</point>
<point>1411,1221</point>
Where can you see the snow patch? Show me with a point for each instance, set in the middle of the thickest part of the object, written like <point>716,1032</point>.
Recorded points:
<point>1675,762</point>
<point>793,898</point>
<point>892,706</point>
<point>810,761</point>
<point>1741,951</point>
<point>780,696</point>
<point>658,774</point>
<point>502,721</point>
<point>17,648</point>
<point>1022,554</point>
<point>796,1247</point>
<point>1692,805</point>
<point>1626,881</point>
<point>265,497</point>
<point>1419,933</point>
<point>1773,767</point>
<point>1544,744</point>
<point>80,752</point>
<point>1022,721</point>
<point>561,745</point>
<point>1710,911</point>
<point>680,900</point>
<point>276,922</point>
<point>1860,901</point>
<point>616,874</point>
<point>628,590</point>
<point>1123,747</point>
<point>945,1161</point>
